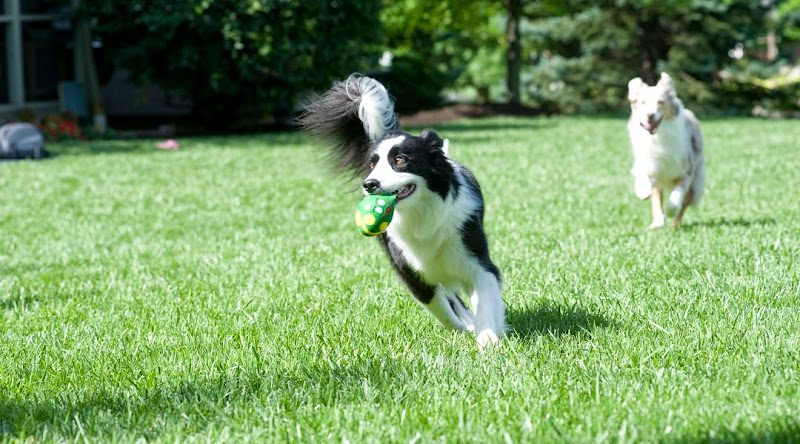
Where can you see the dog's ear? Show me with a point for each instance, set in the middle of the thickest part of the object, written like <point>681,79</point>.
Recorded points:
<point>634,86</point>
<point>667,84</point>
<point>432,140</point>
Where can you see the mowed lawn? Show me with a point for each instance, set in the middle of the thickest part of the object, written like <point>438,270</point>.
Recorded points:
<point>223,293</point>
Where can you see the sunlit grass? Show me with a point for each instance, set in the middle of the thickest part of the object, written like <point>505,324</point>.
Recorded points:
<point>222,292</point>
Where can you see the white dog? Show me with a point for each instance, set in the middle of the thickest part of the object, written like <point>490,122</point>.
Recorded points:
<point>667,149</point>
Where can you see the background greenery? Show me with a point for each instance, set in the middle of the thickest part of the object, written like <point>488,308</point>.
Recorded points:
<point>593,48</point>
<point>222,293</point>
<point>237,60</point>
<point>240,61</point>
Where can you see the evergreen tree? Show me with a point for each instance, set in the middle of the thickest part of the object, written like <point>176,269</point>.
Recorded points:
<point>587,50</point>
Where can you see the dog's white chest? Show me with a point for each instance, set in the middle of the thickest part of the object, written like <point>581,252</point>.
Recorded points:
<point>439,260</point>
<point>430,239</point>
<point>663,156</point>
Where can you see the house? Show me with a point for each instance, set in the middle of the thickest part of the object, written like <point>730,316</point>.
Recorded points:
<point>42,73</point>
<point>35,55</point>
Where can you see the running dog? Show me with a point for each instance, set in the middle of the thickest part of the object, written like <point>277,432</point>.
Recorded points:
<point>667,149</point>
<point>436,241</point>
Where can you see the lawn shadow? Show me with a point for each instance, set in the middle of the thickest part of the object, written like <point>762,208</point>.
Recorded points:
<point>483,125</point>
<point>148,411</point>
<point>553,319</point>
<point>29,417</point>
<point>96,147</point>
<point>10,302</point>
<point>725,222</point>
<point>148,145</point>
<point>8,161</point>
<point>14,299</point>
<point>780,429</point>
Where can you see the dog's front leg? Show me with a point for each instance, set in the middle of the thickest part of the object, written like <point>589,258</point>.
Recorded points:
<point>441,302</point>
<point>642,186</point>
<point>657,209</point>
<point>444,309</point>
<point>684,203</point>
<point>489,309</point>
<point>678,195</point>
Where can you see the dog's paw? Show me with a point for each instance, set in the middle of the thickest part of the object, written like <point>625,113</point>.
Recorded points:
<point>656,224</point>
<point>642,187</point>
<point>674,202</point>
<point>486,337</point>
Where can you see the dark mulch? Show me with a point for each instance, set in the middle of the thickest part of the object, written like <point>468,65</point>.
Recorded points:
<point>171,126</point>
<point>464,111</point>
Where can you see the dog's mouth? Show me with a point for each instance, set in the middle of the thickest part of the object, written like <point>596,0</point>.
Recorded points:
<point>650,127</point>
<point>405,191</point>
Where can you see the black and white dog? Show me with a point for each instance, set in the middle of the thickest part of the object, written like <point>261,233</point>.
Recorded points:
<point>436,240</point>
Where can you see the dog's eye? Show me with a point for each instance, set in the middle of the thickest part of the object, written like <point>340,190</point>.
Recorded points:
<point>399,161</point>
<point>660,102</point>
<point>372,165</point>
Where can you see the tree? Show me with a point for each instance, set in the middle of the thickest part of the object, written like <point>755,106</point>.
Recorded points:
<point>236,60</point>
<point>83,48</point>
<point>436,44</point>
<point>789,18</point>
<point>588,50</point>
<point>514,50</point>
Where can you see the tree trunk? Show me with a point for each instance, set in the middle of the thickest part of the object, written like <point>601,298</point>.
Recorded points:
<point>655,42</point>
<point>83,43</point>
<point>772,46</point>
<point>771,40</point>
<point>514,50</point>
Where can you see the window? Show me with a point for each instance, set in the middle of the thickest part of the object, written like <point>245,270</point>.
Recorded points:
<point>35,52</point>
<point>4,67</point>
<point>38,7</point>
<point>47,60</point>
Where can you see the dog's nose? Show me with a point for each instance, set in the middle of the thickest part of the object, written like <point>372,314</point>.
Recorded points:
<point>370,185</point>
<point>651,117</point>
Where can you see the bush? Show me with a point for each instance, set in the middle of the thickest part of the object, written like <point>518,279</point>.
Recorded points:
<point>61,126</point>
<point>486,73</point>
<point>435,42</point>
<point>238,61</point>
<point>773,95</point>
<point>414,84</point>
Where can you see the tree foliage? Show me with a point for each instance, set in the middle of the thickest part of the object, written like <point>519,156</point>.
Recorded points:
<point>587,50</point>
<point>239,59</point>
<point>440,43</point>
<point>788,15</point>
<point>242,59</point>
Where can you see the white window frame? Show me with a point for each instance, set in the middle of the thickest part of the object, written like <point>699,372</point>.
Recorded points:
<point>12,20</point>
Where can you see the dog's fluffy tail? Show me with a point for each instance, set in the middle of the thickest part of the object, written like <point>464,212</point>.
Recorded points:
<point>353,115</point>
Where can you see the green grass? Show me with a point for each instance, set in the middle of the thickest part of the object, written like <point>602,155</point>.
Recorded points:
<point>222,293</point>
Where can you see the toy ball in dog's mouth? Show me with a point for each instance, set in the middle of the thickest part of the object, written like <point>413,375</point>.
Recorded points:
<point>374,213</point>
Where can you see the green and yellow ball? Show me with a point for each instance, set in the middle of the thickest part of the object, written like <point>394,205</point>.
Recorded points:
<point>374,213</point>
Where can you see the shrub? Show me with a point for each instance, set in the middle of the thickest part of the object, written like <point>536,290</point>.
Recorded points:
<point>238,61</point>
<point>61,126</point>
